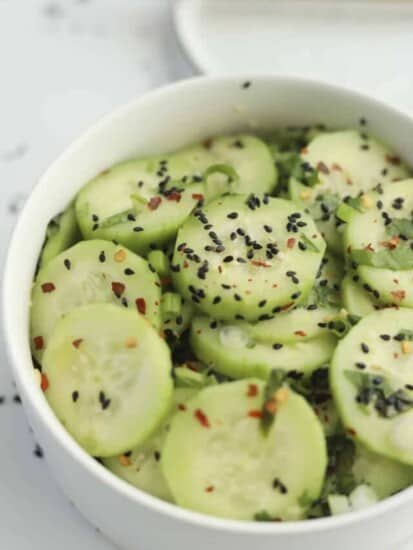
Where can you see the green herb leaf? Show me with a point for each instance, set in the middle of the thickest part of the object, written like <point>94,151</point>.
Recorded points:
<point>263,516</point>
<point>377,392</point>
<point>275,381</point>
<point>355,203</point>
<point>342,324</point>
<point>324,205</point>
<point>402,227</point>
<point>400,258</point>
<point>308,243</point>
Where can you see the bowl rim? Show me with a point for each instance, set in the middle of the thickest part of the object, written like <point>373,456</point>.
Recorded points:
<point>26,383</point>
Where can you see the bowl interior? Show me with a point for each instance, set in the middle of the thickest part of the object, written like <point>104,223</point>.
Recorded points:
<point>163,121</point>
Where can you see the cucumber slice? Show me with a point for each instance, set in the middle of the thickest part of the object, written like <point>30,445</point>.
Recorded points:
<point>371,376</point>
<point>347,163</point>
<point>61,233</point>
<point>356,300</point>
<point>385,476</point>
<point>109,379</point>
<point>232,351</point>
<point>236,258</point>
<point>380,241</point>
<point>143,202</point>
<point>91,272</point>
<point>141,466</point>
<point>231,469</point>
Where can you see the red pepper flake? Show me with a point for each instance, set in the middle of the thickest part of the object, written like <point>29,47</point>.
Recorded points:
<point>398,295</point>
<point>220,268</point>
<point>369,247</point>
<point>259,263</point>
<point>181,407</point>
<point>210,489</point>
<point>394,160</point>
<point>38,342</point>
<point>300,333</point>
<point>76,343</point>
<point>351,431</point>
<point>202,418</point>
<point>392,243</point>
<point>174,196</point>
<point>255,413</point>
<point>154,203</point>
<point>252,390</point>
<point>349,182</point>
<point>337,167</point>
<point>197,196</point>
<point>291,242</point>
<point>323,168</point>
<point>44,384</point>
<point>48,287</point>
<point>287,306</point>
<point>207,143</point>
<point>304,151</point>
<point>105,172</point>
<point>165,281</point>
<point>186,264</point>
<point>141,305</point>
<point>396,281</point>
<point>118,289</point>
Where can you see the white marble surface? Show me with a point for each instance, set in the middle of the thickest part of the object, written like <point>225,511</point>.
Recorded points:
<point>63,64</point>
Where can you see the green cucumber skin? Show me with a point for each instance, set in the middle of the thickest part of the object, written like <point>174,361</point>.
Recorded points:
<point>246,361</point>
<point>388,437</point>
<point>78,276</point>
<point>60,237</point>
<point>118,368</point>
<point>238,297</point>
<point>229,468</point>
<point>110,192</point>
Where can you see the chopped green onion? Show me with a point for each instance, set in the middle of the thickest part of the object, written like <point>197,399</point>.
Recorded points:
<point>159,262</point>
<point>171,304</point>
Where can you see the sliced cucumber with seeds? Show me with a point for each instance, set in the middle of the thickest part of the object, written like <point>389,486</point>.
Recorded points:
<point>109,377</point>
<point>141,466</point>
<point>231,468</point>
<point>372,383</point>
<point>247,257</point>
<point>356,300</point>
<point>380,242</point>
<point>61,233</point>
<point>346,163</point>
<point>233,351</point>
<point>91,272</point>
<point>143,202</point>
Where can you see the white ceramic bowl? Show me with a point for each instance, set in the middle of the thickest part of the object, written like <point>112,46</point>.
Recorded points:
<point>162,121</point>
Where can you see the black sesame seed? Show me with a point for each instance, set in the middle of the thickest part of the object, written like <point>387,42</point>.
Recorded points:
<point>137,229</point>
<point>237,297</point>
<point>262,303</point>
<point>233,215</point>
<point>17,398</point>
<point>277,346</point>
<point>246,84</point>
<point>311,307</point>
<point>213,324</point>
<point>75,396</point>
<point>95,217</point>
<point>67,264</point>
<point>129,271</point>
<point>216,300</point>
<point>361,366</point>
<point>95,226</point>
<point>364,348</point>
<point>157,456</point>
<point>228,259</point>
<point>267,228</point>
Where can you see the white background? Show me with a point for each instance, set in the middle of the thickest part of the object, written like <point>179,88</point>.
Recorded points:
<point>63,63</point>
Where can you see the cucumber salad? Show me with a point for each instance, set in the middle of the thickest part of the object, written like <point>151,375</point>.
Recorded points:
<point>229,327</point>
